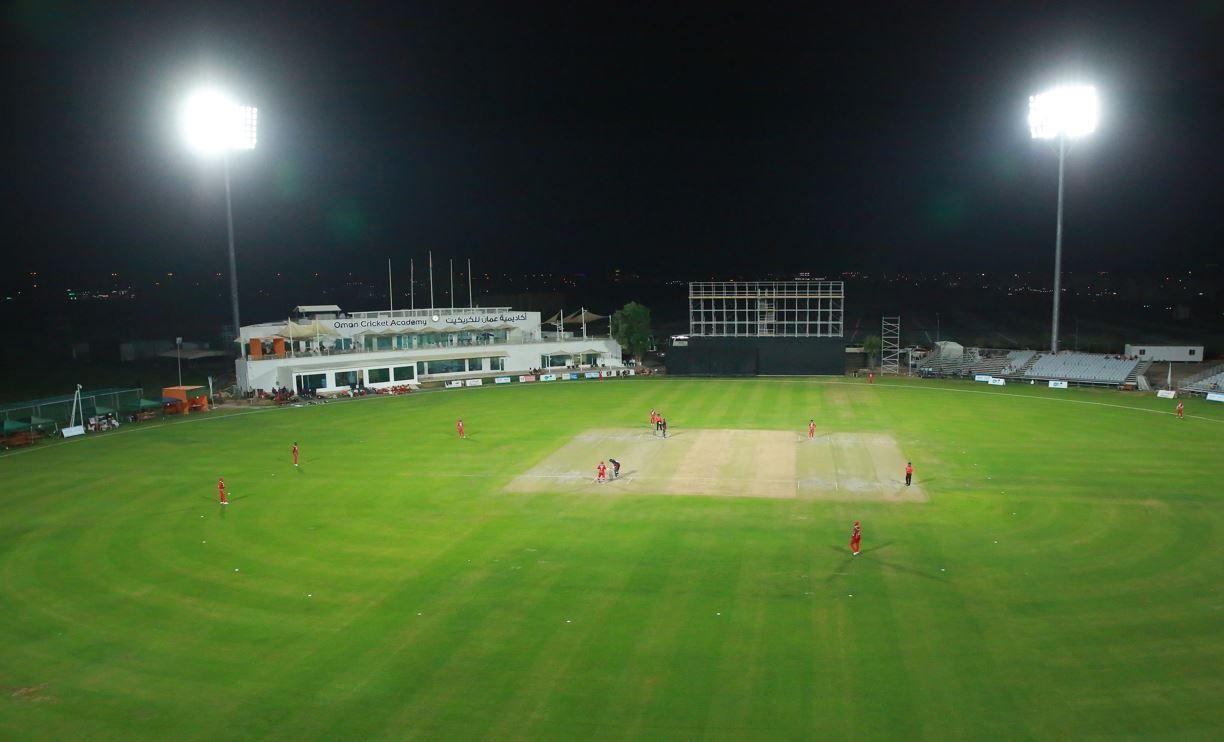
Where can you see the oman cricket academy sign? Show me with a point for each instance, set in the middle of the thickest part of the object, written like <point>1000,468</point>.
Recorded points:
<point>351,326</point>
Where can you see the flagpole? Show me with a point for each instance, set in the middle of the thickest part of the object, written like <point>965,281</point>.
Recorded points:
<point>431,294</point>
<point>451,273</point>
<point>411,284</point>
<point>390,290</point>
<point>471,304</point>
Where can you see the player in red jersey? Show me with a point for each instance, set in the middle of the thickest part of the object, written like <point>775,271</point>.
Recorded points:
<point>221,491</point>
<point>601,472</point>
<point>654,420</point>
<point>459,427</point>
<point>855,536</point>
<point>295,453</point>
<point>811,429</point>
<point>1181,409</point>
<point>909,473</point>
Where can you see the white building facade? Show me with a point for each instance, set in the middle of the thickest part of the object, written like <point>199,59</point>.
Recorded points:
<point>1173,353</point>
<point>325,350</point>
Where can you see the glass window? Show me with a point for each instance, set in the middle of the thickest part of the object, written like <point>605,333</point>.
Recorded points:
<point>475,364</point>
<point>383,342</point>
<point>451,366</point>
<point>346,378</point>
<point>379,375</point>
<point>1192,351</point>
<point>310,382</point>
<point>404,373</point>
<point>497,364</point>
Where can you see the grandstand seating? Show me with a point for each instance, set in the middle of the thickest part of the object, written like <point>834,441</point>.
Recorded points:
<point>1211,380</point>
<point>1084,368</point>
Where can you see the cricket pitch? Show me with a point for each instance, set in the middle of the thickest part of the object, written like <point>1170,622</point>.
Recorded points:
<point>850,467</point>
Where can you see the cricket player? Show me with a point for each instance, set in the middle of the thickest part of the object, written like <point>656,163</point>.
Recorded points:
<point>811,429</point>
<point>601,472</point>
<point>615,468</point>
<point>909,473</point>
<point>459,427</point>
<point>654,418</point>
<point>658,423</point>
<point>1181,409</point>
<point>855,537</point>
<point>295,453</point>
<point>663,425</point>
<point>221,491</point>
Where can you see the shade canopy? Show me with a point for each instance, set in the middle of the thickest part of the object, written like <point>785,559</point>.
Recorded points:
<point>305,330</point>
<point>15,426</point>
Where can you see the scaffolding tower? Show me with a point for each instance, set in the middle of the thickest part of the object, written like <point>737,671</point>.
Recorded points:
<point>890,345</point>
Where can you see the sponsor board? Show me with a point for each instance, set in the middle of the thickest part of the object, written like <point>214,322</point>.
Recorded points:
<point>998,382</point>
<point>1215,397</point>
<point>592,374</point>
<point>502,380</point>
<point>75,430</point>
<point>474,382</point>
<point>1055,384</point>
<point>526,378</point>
<point>982,377</point>
<point>1166,394</point>
<point>632,372</point>
<point>571,376</point>
<point>548,377</point>
<point>454,384</point>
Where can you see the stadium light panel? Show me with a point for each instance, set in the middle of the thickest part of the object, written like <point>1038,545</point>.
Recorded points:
<point>213,123</point>
<point>1070,111</point>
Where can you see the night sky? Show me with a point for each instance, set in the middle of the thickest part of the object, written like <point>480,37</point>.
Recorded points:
<point>677,140</point>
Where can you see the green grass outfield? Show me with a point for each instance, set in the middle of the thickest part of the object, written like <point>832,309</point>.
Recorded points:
<point>1064,581</point>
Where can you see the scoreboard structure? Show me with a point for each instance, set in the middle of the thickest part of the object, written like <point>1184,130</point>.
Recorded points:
<point>762,328</point>
<point>800,309</point>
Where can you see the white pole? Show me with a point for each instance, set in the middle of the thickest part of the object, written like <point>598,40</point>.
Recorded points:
<point>411,284</point>
<point>179,354</point>
<point>1058,230</point>
<point>390,290</point>
<point>583,310</point>
<point>431,294</point>
<point>451,271</point>
<point>560,322</point>
<point>471,304</point>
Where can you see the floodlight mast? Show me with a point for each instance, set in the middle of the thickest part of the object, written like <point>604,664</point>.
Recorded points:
<point>215,125</point>
<point>1062,113</point>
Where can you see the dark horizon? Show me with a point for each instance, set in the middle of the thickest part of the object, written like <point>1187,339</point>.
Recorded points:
<point>701,140</point>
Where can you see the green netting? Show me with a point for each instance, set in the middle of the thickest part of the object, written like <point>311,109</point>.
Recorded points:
<point>94,402</point>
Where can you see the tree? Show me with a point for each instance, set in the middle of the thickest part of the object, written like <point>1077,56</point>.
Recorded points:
<point>871,346</point>
<point>631,328</point>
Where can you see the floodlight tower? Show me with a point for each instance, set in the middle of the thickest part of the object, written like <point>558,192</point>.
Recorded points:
<point>214,125</point>
<point>1063,113</point>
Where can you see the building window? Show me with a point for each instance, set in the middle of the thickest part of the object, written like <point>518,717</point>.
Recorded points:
<point>310,382</point>
<point>1192,350</point>
<point>379,375</point>
<point>404,373</point>
<point>346,378</point>
<point>497,364</point>
<point>451,366</point>
<point>383,342</point>
<point>475,364</point>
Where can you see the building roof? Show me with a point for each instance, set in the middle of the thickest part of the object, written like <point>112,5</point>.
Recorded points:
<point>314,308</point>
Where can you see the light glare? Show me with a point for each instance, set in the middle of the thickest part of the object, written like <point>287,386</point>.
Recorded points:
<point>1070,111</point>
<point>214,123</point>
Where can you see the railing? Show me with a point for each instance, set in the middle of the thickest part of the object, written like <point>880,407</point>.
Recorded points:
<point>458,344</point>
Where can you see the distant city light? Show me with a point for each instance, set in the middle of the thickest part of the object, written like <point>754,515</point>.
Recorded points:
<point>212,123</point>
<point>1070,111</point>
